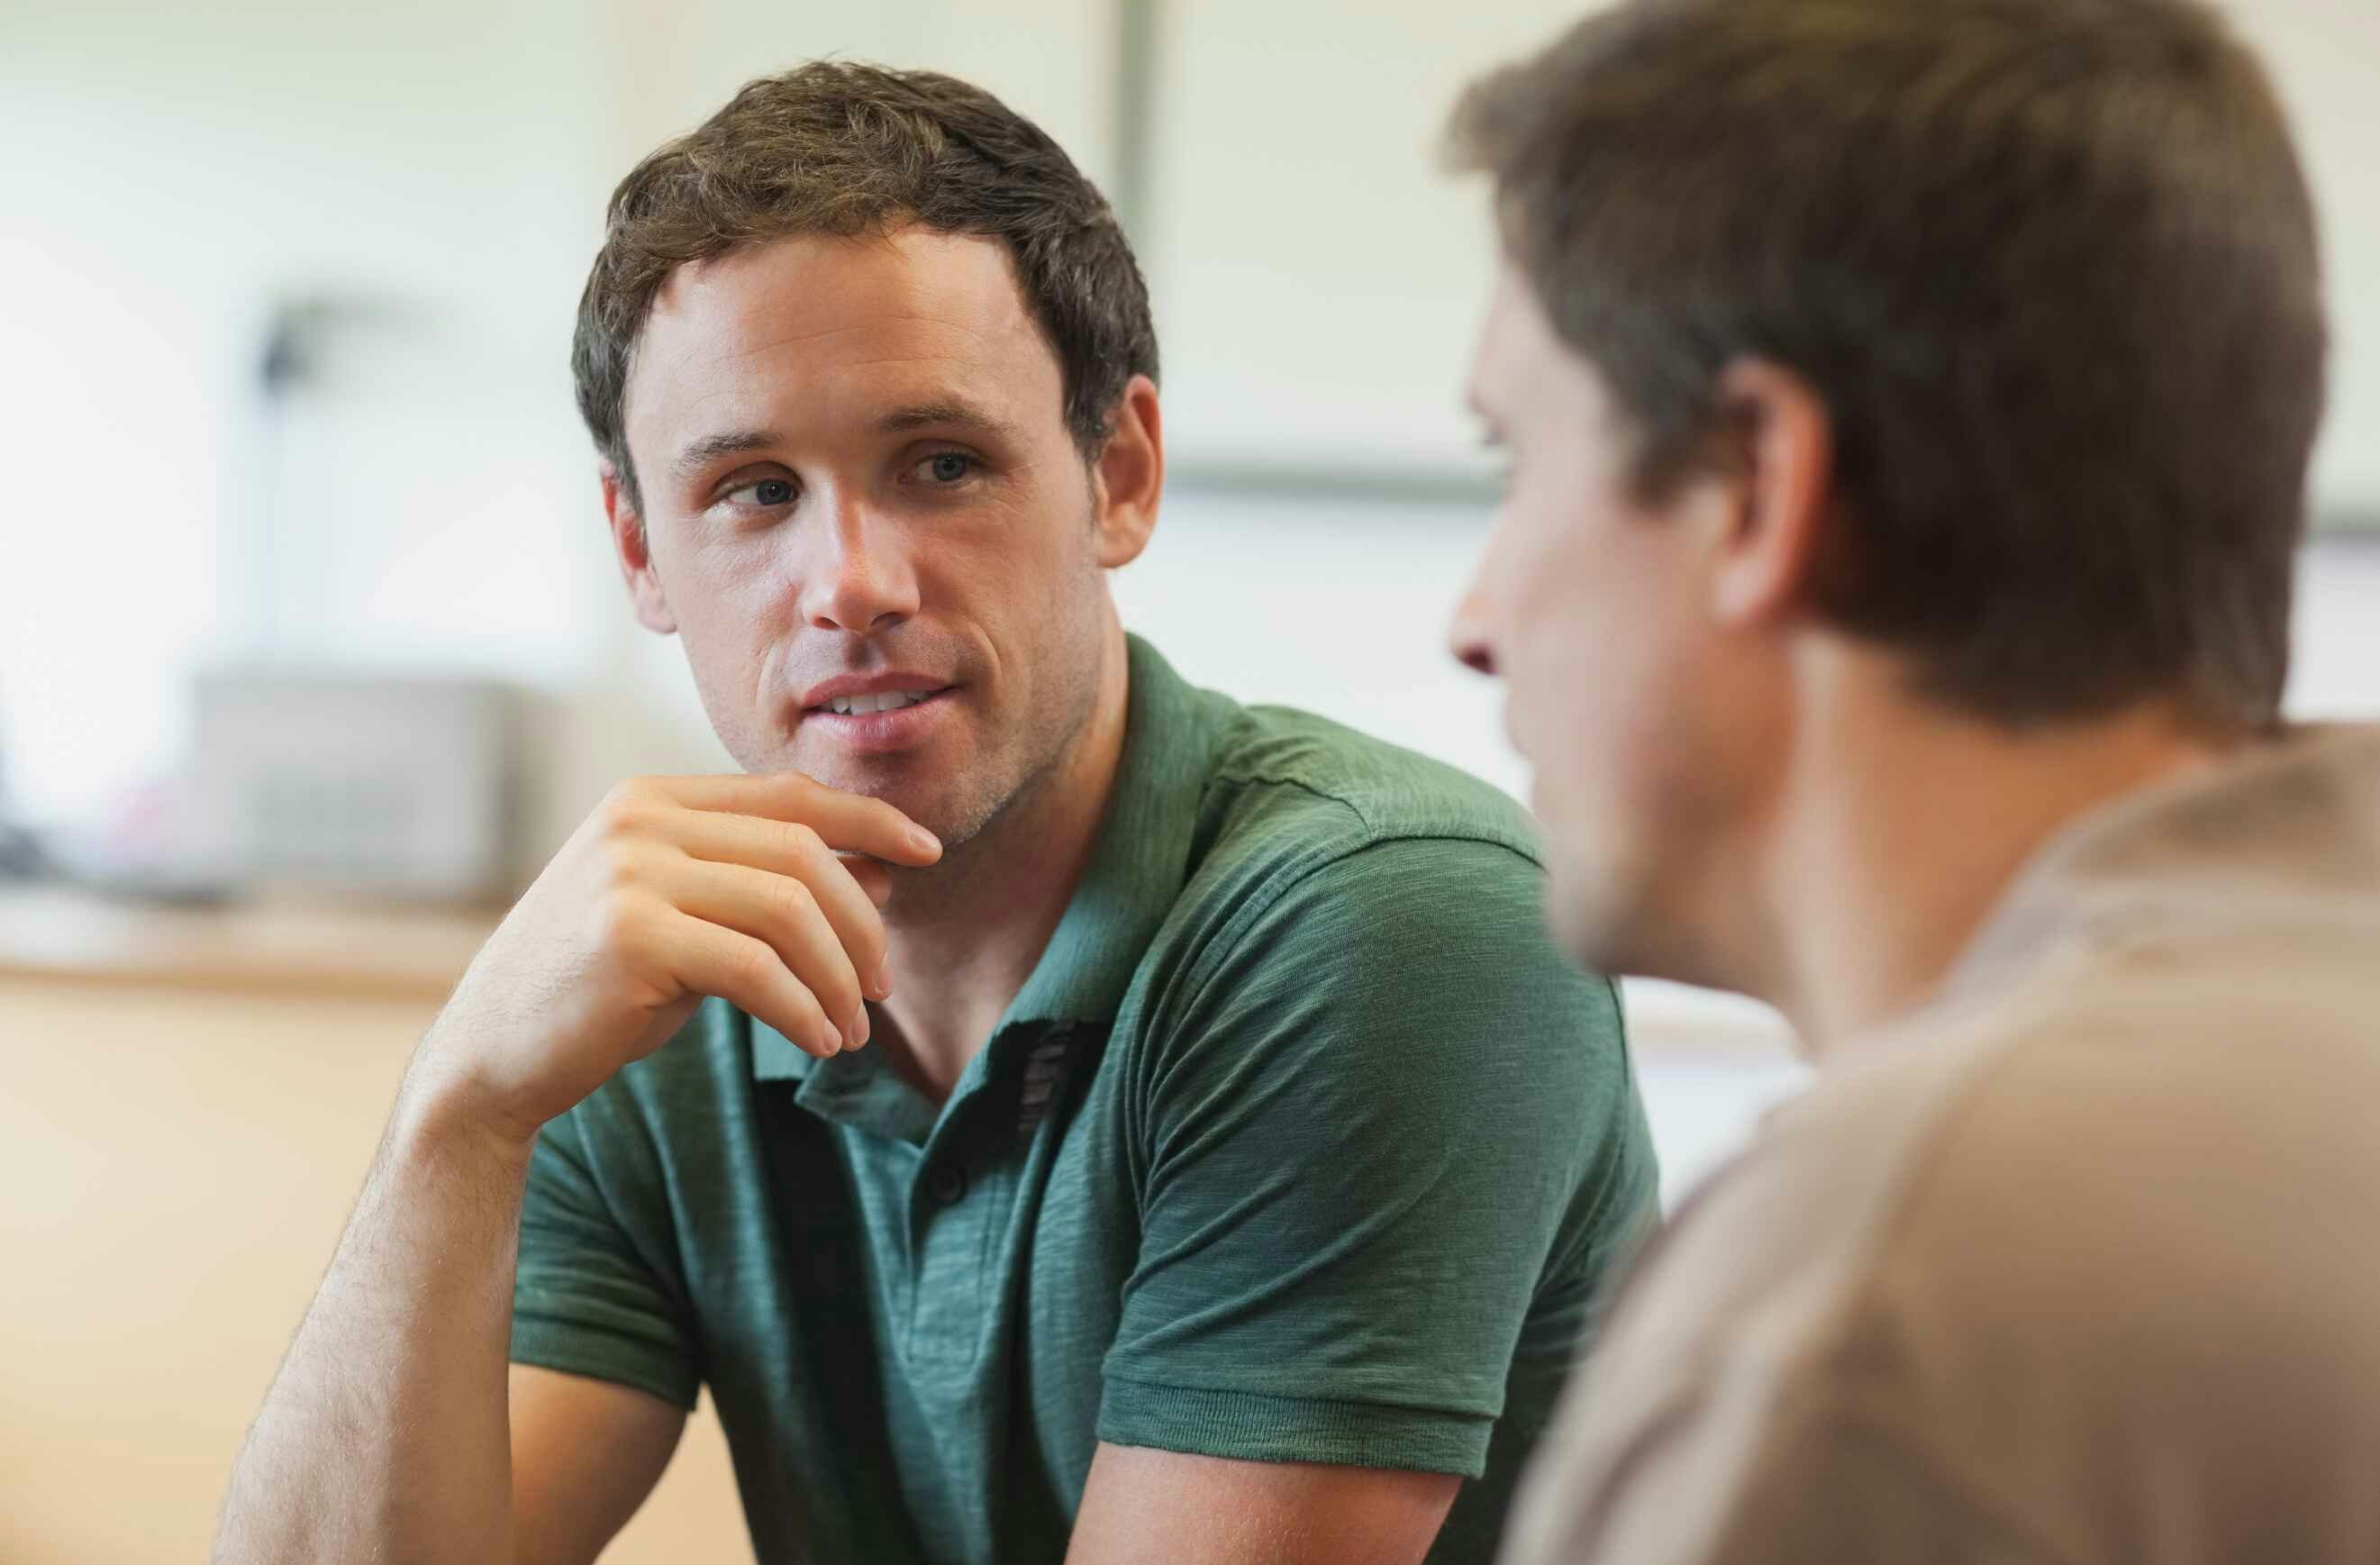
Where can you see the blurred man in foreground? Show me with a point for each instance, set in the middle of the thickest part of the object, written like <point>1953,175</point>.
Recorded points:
<point>1234,1161</point>
<point>1909,406</point>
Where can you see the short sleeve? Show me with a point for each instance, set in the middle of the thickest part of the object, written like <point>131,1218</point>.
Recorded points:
<point>593,1295</point>
<point>1375,1141</point>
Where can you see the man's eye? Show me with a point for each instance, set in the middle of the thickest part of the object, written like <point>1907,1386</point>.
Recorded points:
<point>948,467</point>
<point>765,491</point>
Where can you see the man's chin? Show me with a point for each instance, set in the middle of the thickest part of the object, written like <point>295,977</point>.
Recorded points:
<point>906,788</point>
<point>1577,931</point>
<point>956,816</point>
<point>1595,917</point>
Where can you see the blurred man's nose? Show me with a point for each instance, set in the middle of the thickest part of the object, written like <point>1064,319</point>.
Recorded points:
<point>856,574</point>
<point>1466,635</point>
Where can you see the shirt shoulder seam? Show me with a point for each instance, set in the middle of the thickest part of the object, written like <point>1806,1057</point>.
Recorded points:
<point>1450,824</point>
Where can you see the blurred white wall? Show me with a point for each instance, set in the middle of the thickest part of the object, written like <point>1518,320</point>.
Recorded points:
<point>1318,276</point>
<point>2322,54</point>
<point>172,171</point>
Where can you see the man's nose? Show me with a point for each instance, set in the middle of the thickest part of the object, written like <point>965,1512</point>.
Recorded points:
<point>1467,637</point>
<point>857,577</point>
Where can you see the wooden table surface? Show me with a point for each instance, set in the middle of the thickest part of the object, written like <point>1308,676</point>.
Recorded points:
<point>259,947</point>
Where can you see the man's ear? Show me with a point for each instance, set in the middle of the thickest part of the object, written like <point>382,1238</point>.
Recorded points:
<point>633,549</point>
<point>1781,463</point>
<point>1129,476</point>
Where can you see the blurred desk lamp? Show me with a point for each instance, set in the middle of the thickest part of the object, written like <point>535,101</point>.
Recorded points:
<point>315,346</point>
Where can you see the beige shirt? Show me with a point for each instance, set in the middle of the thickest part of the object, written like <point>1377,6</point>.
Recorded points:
<point>2080,1263</point>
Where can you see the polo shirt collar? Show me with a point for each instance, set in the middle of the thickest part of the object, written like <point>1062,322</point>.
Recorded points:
<point>1137,869</point>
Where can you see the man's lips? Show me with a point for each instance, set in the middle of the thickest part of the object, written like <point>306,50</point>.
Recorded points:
<point>870,690</point>
<point>880,733</point>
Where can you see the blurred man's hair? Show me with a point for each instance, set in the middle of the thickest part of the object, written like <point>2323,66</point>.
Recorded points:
<point>2050,264</point>
<point>833,148</point>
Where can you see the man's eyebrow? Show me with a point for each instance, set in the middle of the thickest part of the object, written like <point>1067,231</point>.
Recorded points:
<point>948,412</point>
<point>700,454</point>
<point>942,413</point>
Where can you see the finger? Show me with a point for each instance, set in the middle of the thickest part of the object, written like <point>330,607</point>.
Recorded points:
<point>782,911</point>
<point>789,848</point>
<point>850,821</point>
<point>712,959</point>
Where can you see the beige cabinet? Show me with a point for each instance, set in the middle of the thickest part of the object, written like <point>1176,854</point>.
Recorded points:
<point>175,1164</point>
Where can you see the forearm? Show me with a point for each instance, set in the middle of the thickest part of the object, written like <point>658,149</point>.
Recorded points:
<point>386,1435</point>
<point>1145,1504</point>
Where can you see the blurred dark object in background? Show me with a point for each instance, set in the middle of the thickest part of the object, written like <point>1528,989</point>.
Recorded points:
<point>20,854</point>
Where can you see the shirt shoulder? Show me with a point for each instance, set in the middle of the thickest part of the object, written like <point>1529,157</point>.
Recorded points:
<point>1314,842</point>
<point>1317,848</point>
<point>1281,771</point>
<point>1358,917</point>
<point>2122,1297</point>
<point>2073,1255</point>
<point>1731,1328</point>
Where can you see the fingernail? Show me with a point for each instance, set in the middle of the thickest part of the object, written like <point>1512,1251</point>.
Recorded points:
<point>925,840</point>
<point>832,1042</point>
<point>858,1030</point>
<point>879,986</point>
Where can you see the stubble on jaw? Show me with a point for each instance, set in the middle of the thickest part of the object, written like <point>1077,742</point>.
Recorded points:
<point>979,816</point>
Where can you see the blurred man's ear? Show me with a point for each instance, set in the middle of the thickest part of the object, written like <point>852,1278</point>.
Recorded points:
<point>1780,461</point>
<point>631,548</point>
<point>1129,476</point>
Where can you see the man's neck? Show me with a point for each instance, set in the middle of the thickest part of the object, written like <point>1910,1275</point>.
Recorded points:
<point>965,936</point>
<point>1902,825</point>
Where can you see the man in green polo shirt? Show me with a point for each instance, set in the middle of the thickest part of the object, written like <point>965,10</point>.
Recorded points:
<point>1057,1112</point>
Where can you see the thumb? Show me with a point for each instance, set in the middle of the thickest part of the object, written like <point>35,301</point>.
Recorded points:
<point>874,876</point>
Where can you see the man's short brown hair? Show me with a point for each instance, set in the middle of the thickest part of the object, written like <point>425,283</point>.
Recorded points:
<point>850,149</point>
<point>2050,264</point>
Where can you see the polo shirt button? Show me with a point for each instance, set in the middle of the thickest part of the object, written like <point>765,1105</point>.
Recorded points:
<point>947,1184</point>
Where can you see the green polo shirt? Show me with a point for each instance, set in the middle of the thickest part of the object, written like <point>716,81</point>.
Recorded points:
<point>1301,1144</point>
